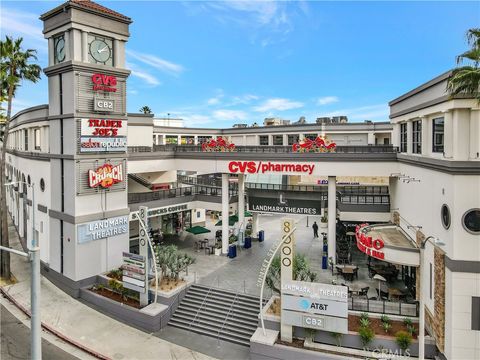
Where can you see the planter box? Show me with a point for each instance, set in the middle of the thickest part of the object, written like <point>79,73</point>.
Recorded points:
<point>323,225</point>
<point>151,318</point>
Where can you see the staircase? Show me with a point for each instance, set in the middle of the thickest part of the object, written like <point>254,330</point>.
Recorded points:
<point>140,180</point>
<point>218,313</point>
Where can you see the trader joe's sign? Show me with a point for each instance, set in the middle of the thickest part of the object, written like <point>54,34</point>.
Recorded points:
<point>103,135</point>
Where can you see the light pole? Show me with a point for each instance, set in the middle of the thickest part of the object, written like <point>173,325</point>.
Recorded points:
<point>421,315</point>
<point>34,255</point>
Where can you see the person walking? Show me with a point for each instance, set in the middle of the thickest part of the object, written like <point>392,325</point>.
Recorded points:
<point>315,229</point>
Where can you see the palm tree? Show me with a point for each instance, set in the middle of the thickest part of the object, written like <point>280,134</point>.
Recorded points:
<point>146,110</point>
<point>466,79</point>
<point>15,66</point>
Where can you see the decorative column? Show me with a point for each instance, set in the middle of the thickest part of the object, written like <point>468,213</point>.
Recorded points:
<point>241,201</point>
<point>409,138</point>
<point>51,51</point>
<point>448,134</point>
<point>68,55</point>
<point>332,217</point>
<point>225,213</point>
<point>254,225</point>
<point>84,46</point>
<point>426,146</point>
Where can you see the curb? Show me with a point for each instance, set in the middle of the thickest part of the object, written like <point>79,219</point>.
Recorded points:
<point>54,331</point>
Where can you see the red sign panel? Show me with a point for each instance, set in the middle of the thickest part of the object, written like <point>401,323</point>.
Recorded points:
<point>102,82</point>
<point>368,245</point>
<point>105,176</point>
<point>253,167</point>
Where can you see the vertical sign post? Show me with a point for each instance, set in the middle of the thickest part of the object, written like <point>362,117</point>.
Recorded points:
<point>286,270</point>
<point>143,249</point>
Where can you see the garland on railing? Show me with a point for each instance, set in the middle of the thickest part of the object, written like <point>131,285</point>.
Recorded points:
<point>318,145</point>
<point>218,145</point>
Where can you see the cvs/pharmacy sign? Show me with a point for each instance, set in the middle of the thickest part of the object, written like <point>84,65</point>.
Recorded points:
<point>259,167</point>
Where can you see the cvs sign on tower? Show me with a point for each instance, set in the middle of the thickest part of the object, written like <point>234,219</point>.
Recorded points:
<point>103,82</point>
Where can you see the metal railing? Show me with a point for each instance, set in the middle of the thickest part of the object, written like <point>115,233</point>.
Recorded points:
<point>226,317</point>
<point>134,198</point>
<point>203,303</point>
<point>384,307</point>
<point>271,149</point>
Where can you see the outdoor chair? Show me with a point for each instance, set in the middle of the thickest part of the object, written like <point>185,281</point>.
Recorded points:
<point>364,291</point>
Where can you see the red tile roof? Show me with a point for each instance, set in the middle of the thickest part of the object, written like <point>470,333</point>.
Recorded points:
<point>94,6</point>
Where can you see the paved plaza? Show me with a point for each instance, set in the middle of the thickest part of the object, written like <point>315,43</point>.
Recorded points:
<point>241,273</point>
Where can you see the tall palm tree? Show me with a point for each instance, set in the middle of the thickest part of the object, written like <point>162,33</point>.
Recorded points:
<point>146,110</point>
<point>466,79</point>
<point>15,66</point>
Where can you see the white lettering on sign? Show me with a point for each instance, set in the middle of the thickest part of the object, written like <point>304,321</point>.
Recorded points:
<point>161,211</point>
<point>101,229</point>
<point>103,127</point>
<point>315,290</point>
<point>103,144</point>
<point>104,104</point>
<point>253,167</point>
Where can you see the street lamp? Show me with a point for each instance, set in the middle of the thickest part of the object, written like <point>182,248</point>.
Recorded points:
<point>34,255</point>
<point>421,325</point>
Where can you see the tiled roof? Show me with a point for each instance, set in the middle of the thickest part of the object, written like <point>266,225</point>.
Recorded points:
<point>94,6</point>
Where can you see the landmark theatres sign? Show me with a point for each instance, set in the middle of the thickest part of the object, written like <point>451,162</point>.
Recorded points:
<point>100,229</point>
<point>284,204</point>
<point>315,306</point>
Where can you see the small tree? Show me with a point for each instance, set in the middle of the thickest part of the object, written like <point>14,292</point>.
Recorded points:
<point>403,339</point>
<point>146,110</point>
<point>366,336</point>
<point>301,272</point>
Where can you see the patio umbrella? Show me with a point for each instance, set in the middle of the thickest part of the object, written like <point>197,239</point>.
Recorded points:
<point>248,214</point>
<point>379,278</point>
<point>196,230</point>
<point>232,219</point>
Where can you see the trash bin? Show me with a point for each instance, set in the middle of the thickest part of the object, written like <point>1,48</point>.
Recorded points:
<point>232,251</point>
<point>325,257</point>
<point>261,236</point>
<point>248,243</point>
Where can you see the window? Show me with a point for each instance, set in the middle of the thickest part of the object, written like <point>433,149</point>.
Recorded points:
<point>445,216</point>
<point>292,139</point>
<point>277,139</point>
<point>403,137</point>
<point>29,181</point>
<point>203,139</point>
<point>42,184</point>
<point>417,137</point>
<point>25,139</point>
<point>476,313</point>
<point>431,281</point>
<point>310,136</point>
<point>471,221</point>
<point>171,139</point>
<point>263,139</point>
<point>36,137</point>
<point>386,141</point>
<point>438,135</point>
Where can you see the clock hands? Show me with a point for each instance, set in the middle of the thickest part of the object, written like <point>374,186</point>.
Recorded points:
<point>102,50</point>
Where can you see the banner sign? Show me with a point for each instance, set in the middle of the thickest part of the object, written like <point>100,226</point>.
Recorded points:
<point>101,229</point>
<point>255,167</point>
<point>315,305</point>
<point>105,176</point>
<point>134,272</point>
<point>103,144</point>
<point>284,203</point>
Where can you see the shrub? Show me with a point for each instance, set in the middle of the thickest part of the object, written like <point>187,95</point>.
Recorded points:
<point>364,315</point>
<point>386,326</point>
<point>407,321</point>
<point>301,272</point>
<point>403,339</point>
<point>338,338</point>
<point>364,322</point>
<point>366,335</point>
<point>411,330</point>
<point>385,319</point>
<point>115,285</point>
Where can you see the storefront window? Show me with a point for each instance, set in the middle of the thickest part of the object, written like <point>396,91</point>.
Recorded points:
<point>403,137</point>
<point>171,139</point>
<point>277,139</point>
<point>187,140</point>
<point>204,139</point>
<point>471,221</point>
<point>417,137</point>
<point>445,216</point>
<point>292,139</point>
<point>438,135</point>
<point>263,139</point>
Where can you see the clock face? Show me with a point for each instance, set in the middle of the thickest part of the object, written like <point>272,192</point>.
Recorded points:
<point>59,49</point>
<point>101,51</point>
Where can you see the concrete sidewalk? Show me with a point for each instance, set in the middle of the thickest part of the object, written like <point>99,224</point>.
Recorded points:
<point>88,327</point>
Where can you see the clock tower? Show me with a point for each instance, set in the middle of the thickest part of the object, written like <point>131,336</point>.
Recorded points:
<point>88,138</point>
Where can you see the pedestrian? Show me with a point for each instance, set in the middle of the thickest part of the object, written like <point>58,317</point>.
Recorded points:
<point>315,229</point>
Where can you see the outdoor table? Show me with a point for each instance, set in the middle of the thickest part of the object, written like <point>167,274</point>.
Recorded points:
<point>355,288</point>
<point>348,271</point>
<point>203,243</point>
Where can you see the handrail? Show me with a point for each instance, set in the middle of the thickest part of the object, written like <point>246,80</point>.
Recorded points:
<point>228,314</point>
<point>203,302</point>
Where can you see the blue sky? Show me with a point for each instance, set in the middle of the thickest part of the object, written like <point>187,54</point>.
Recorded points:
<point>220,63</point>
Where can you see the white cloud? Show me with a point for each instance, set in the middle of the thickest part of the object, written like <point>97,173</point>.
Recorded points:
<point>369,112</point>
<point>24,24</point>
<point>243,99</point>
<point>278,104</point>
<point>156,62</point>
<point>213,101</point>
<point>196,119</point>
<point>144,75</point>
<point>327,100</point>
<point>230,115</point>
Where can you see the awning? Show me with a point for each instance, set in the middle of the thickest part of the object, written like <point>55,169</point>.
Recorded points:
<point>231,221</point>
<point>196,230</point>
